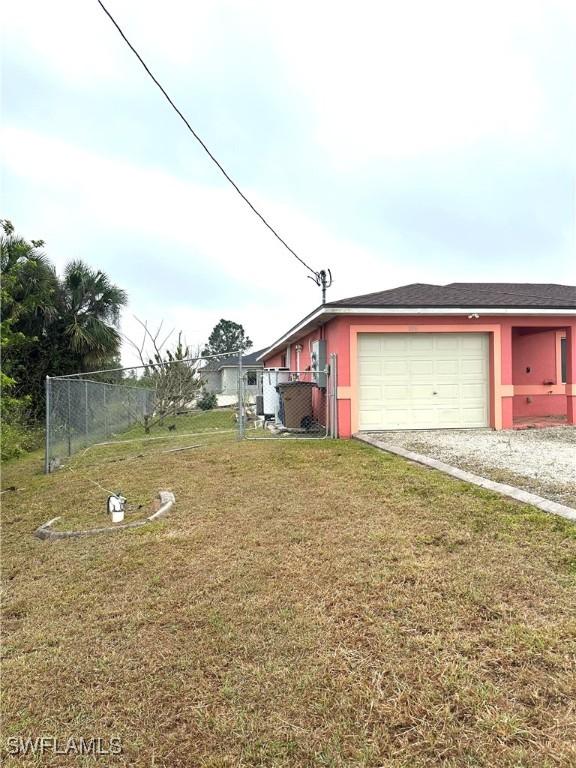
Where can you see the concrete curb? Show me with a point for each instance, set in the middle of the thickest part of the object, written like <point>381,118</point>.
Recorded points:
<point>491,485</point>
<point>164,501</point>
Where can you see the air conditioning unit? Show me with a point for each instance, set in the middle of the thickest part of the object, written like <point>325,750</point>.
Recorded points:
<point>318,363</point>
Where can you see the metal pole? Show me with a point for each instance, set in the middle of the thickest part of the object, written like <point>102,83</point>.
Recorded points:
<point>86,410</point>
<point>332,395</point>
<point>47,456</point>
<point>69,422</point>
<point>105,411</point>
<point>329,399</point>
<point>335,392</point>
<point>240,398</point>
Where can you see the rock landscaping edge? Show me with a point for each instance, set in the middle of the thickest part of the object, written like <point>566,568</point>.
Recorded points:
<point>165,500</point>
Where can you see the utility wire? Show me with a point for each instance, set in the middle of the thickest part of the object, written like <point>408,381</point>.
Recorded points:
<point>199,140</point>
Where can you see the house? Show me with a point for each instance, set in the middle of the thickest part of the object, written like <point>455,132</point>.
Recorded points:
<point>440,356</point>
<point>220,375</point>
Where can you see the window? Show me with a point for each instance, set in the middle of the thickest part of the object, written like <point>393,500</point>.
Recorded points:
<point>252,378</point>
<point>283,360</point>
<point>563,360</point>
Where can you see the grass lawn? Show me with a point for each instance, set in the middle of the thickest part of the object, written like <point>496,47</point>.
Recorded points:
<point>305,604</point>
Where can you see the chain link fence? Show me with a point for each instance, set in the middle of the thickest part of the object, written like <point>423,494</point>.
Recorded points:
<point>279,403</point>
<point>87,408</point>
<point>95,408</point>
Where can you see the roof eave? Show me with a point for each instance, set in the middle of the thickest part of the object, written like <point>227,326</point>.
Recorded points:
<point>328,312</point>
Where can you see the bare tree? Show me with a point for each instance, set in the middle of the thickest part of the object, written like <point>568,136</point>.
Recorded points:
<point>174,374</point>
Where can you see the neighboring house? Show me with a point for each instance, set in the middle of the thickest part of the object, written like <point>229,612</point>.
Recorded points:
<point>220,376</point>
<point>431,356</point>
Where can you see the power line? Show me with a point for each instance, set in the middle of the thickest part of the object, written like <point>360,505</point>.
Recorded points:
<point>202,144</point>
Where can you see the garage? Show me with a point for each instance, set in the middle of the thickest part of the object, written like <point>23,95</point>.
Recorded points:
<point>423,380</point>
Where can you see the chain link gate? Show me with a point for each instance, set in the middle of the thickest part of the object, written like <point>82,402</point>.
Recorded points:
<point>278,403</point>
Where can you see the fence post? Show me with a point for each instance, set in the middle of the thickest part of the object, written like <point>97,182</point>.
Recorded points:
<point>69,422</point>
<point>240,398</point>
<point>105,411</point>
<point>86,409</point>
<point>47,447</point>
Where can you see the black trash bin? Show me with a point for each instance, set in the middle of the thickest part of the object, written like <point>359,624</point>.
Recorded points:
<point>297,404</point>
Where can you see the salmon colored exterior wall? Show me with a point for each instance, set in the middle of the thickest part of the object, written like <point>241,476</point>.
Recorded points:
<point>511,352</point>
<point>537,391</point>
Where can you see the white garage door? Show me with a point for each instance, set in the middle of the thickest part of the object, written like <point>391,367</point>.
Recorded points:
<point>423,380</point>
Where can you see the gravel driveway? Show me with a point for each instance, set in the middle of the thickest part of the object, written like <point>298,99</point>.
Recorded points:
<point>538,460</point>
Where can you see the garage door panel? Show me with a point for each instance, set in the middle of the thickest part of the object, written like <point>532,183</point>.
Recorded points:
<point>420,367</point>
<point>473,366</point>
<point>395,392</point>
<point>400,372</point>
<point>475,416</point>
<point>473,391</point>
<point>447,367</point>
<point>394,343</point>
<point>419,392</point>
<point>421,342</point>
<point>469,342</point>
<point>447,391</point>
<point>448,417</point>
<point>370,368</point>
<point>446,342</point>
<point>395,367</point>
<point>372,344</point>
<point>372,419</point>
<point>424,416</point>
<point>371,394</point>
<point>396,418</point>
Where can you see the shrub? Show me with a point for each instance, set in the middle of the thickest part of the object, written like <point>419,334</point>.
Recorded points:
<point>16,435</point>
<point>207,401</point>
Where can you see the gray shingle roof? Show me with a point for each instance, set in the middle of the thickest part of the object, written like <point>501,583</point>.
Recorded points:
<point>247,360</point>
<point>510,295</point>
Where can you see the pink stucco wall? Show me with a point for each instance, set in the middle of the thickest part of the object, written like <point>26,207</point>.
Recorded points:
<point>536,369</point>
<point>511,352</point>
<point>537,351</point>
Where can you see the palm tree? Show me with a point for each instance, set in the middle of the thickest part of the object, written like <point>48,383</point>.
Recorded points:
<point>90,313</point>
<point>29,283</point>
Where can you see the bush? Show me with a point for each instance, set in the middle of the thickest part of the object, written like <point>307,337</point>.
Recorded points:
<point>17,439</point>
<point>16,435</point>
<point>207,401</point>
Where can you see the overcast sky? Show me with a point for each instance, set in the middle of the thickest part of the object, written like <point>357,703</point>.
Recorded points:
<point>394,142</point>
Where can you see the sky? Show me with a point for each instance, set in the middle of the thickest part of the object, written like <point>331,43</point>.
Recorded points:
<point>392,142</point>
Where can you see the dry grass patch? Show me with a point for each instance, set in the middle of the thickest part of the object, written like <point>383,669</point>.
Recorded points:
<point>306,604</point>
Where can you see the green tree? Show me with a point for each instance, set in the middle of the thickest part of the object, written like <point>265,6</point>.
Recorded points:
<point>227,336</point>
<point>52,326</point>
<point>89,314</point>
<point>29,288</point>
<point>29,297</point>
